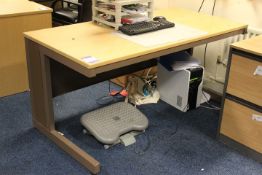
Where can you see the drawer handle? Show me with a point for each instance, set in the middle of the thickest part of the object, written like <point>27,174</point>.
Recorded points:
<point>258,71</point>
<point>257,117</point>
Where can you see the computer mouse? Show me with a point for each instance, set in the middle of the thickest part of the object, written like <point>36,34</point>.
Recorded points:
<point>159,18</point>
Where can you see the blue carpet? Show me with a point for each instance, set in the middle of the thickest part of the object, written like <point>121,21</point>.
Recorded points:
<point>175,142</point>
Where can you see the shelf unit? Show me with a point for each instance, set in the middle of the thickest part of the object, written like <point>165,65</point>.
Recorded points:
<point>117,12</point>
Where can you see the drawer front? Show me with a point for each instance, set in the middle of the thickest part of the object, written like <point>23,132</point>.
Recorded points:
<point>242,124</point>
<point>242,82</point>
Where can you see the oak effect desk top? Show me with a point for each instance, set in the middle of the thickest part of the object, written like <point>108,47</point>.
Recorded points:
<point>88,39</point>
<point>10,8</point>
<point>252,45</point>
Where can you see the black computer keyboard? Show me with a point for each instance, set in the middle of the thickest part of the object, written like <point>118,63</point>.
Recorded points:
<point>147,26</point>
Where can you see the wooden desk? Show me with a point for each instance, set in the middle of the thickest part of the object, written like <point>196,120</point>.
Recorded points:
<point>47,3</point>
<point>16,17</point>
<point>241,117</point>
<point>56,65</point>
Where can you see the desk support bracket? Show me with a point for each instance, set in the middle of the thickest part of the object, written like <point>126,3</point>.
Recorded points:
<point>42,107</point>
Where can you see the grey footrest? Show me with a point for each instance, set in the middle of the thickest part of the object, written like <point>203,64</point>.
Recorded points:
<point>107,124</point>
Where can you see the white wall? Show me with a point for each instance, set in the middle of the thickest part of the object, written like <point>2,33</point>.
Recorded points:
<point>158,4</point>
<point>248,11</point>
<point>245,11</point>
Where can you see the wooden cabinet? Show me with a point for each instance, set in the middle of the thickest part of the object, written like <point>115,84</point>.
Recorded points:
<point>241,117</point>
<point>242,82</point>
<point>17,17</point>
<point>240,123</point>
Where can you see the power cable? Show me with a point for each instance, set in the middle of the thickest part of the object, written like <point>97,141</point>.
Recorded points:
<point>213,10</point>
<point>201,6</point>
<point>211,106</point>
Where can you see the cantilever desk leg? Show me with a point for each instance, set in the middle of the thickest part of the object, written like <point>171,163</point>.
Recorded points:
<point>42,106</point>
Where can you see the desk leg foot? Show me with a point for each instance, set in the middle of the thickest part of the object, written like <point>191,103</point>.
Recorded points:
<point>77,153</point>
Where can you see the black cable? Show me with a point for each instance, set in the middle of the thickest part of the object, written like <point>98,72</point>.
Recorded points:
<point>211,106</point>
<point>149,142</point>
<point>205,51</point>
<point>213,9</point>
<point>201,6</point>
<point>104,100</point>
<point>205,54</point>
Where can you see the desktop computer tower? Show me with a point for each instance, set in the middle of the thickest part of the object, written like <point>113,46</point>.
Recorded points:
<point>180,88</point>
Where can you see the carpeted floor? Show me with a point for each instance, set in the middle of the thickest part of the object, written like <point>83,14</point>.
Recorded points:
<point>175,142</point>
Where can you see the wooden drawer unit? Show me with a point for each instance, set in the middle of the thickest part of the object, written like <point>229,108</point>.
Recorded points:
<point>17,17</point>
<point>242,82</point>
<point>241,115</point>
<point>242,124</point>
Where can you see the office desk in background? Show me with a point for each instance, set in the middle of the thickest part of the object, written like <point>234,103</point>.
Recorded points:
<point>47,3</point>
<point>16,17</point>
<point>59,62</point>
